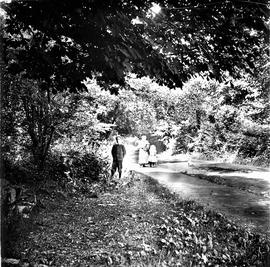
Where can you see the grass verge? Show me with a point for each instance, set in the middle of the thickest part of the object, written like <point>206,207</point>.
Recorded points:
<point>138,223</point>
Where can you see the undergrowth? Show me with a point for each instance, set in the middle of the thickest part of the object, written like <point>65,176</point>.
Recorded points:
<point>137,222</point>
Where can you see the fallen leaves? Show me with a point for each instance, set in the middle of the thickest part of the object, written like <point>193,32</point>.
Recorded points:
<point>210,238</point>
<point>134,226</point>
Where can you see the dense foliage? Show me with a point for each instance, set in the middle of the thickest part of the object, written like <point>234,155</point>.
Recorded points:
<point>57,136</point>
<point>232,119</point>
<point>51,49</point>
<point>62,43</point>
<point>228,120</point>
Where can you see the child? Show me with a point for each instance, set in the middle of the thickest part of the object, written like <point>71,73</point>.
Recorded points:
<point>152,156</point>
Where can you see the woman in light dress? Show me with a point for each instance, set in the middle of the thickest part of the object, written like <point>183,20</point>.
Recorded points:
<point>143,151</point>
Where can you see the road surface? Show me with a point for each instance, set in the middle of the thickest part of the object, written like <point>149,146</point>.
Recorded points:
<point>241,193</point>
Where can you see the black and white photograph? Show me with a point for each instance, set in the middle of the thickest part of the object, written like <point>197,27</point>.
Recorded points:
<point>135,133</point>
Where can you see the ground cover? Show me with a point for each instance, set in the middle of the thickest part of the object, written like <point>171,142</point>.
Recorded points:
<point>136,223</point>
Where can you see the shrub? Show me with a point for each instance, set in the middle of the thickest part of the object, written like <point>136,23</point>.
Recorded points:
<point>88,167</point>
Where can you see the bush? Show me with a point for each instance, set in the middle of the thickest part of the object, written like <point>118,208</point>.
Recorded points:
<point>19,171</point>
<point>88,167</point>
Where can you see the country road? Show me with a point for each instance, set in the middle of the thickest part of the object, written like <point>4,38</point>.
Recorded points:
<point>242,193</point>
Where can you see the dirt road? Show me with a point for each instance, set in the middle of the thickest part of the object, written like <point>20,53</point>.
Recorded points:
<point>241,193</point>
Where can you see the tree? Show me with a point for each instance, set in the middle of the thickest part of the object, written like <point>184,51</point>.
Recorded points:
<point>31,110</point>
<point>211,36</point>
<point>126,113</point>
<point>63,42</point>
<point>34,119</point>
<point>234,118</point>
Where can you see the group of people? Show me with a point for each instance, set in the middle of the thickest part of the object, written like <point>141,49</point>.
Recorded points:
<point>147,155</point>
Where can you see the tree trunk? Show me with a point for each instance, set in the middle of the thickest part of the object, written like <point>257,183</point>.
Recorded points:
<point>40,128</point>
<point>41,147</point>
<point>198,119</point>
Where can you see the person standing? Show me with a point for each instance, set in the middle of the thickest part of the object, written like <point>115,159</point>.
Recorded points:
<point>152,156</point>
<point>143,151</point>
<point>118,153</point>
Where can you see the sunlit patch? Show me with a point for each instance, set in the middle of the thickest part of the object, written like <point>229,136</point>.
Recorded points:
<point>154,10</point>
<point>264,202</point>
<point>137,20</point>
<point>2,11</point>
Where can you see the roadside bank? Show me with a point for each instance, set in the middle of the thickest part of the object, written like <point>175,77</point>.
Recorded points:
<point>137,223</point>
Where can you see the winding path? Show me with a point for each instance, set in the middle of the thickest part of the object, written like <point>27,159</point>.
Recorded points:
<point>243,195</point>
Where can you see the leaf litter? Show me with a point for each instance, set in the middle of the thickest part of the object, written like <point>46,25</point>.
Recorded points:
<point>139,225</point>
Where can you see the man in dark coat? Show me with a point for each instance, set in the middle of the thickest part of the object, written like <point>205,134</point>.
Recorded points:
<point>118,154</point>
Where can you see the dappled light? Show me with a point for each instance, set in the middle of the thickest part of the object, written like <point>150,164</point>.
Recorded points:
<point>135,133</point>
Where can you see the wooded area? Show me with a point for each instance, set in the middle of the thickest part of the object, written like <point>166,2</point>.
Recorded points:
<point>193,75</point>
